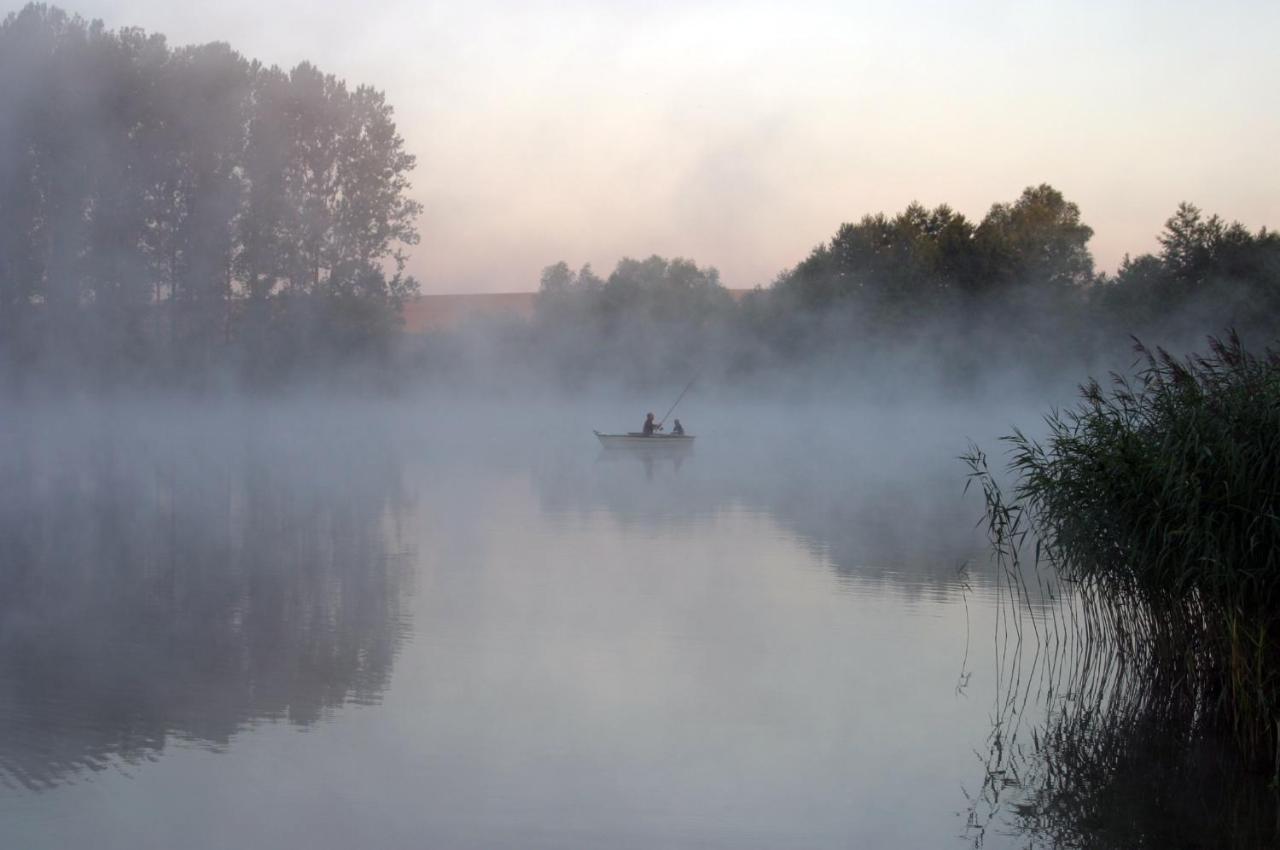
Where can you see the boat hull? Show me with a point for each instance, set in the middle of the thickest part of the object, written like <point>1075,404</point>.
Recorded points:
<point>640,441</point>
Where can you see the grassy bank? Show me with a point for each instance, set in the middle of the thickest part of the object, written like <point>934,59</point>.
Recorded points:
<point>1158,499</point>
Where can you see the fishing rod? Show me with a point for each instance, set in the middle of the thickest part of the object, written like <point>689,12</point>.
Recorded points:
<point>673,407</point>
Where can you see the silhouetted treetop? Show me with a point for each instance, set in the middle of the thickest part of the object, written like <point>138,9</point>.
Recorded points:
<point>1018,286</point>
<point>189,207</point>
<point>651,290</point>
<point>1208,274</point>
<point>1038,240</point>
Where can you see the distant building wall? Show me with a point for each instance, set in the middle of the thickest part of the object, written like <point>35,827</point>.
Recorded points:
<point>425,313</point>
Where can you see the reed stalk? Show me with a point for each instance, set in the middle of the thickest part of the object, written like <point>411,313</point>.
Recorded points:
<point>1157,500</point>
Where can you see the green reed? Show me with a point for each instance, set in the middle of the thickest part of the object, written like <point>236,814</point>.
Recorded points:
<point>1157,500</point>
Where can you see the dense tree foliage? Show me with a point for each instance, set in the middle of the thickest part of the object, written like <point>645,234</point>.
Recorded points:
<point>675,292</point>
<point>922,260</point>
<point>649,317</point>
<point>1207,273</point>
<point>1016,288</point>
<point>172,211</point>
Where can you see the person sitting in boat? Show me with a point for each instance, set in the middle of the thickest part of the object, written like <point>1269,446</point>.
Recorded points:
<point>650,426</point>
<point>677,430</point>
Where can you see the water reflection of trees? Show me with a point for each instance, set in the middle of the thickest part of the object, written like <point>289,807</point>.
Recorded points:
<point>908,526</point>
<point>1086,751</point>
<point>166,588</point>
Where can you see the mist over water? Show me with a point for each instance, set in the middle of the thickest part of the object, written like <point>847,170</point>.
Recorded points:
<point>491,632</point>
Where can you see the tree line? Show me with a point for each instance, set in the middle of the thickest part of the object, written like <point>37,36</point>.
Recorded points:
<point>172,213</point>
<point>1020,285</point>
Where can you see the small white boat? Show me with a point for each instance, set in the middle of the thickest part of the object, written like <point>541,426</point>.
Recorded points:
<point>637,440</point>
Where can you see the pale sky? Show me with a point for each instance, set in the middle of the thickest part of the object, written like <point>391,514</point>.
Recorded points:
<point>741,134</point>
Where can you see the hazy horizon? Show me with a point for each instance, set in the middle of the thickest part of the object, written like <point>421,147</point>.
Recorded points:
<point>742,140</point>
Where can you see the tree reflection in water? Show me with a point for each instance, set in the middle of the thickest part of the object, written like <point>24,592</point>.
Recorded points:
<point>1086,751</point>
<point>867,526</point>
<point>158,587</point>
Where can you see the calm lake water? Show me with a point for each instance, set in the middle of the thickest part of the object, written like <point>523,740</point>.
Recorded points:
<point>468,627</point>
